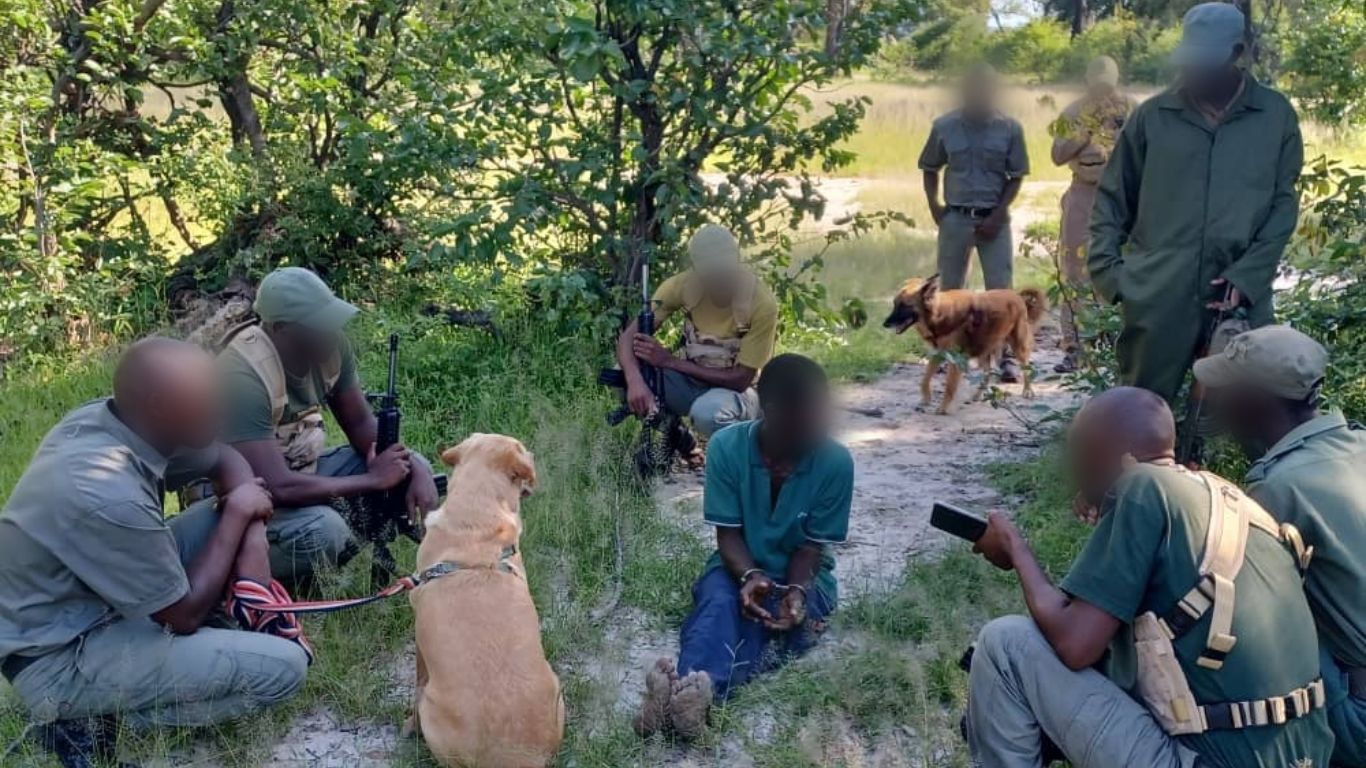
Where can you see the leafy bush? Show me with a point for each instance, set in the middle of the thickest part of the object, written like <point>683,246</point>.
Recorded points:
<point>1039,49</point>
<point>1325,63</point>
<point>1142,47</point>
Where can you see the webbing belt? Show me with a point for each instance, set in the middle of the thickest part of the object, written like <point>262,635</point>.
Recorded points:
<point>1275,710</point>
<point>405,584</point>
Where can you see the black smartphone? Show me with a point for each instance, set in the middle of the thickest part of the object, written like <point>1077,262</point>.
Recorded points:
<point>957,521</point>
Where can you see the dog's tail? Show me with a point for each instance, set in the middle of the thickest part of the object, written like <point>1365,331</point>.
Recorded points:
<point>1036,304</point>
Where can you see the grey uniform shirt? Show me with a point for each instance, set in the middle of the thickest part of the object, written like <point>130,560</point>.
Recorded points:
<point>83,539</point>
<point>977,158</point>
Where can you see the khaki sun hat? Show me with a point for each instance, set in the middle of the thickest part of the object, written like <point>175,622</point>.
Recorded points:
<point>713,250</point>
<point>1275,359</point>
<point>297,295</point>
<point>1102,70</point>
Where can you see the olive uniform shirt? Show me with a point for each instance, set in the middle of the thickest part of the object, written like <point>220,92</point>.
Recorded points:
<point>978,158</point>
<point>83,539</point>
<point>1315,479</point>
<point>248,402</point>
<point>813,504</point>
<point>1144,556</point>
<point>1182,203</point>
<point>756,346</point>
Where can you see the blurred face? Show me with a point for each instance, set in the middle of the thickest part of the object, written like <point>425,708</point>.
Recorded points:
<point>719,285</point>
<point>301,348</point>
<point>1211,82</point>
<point>979,95</point>
<point>1241,411</point>
<point>799,428</point>
<point>189,410</point>
<point>1094,460</point>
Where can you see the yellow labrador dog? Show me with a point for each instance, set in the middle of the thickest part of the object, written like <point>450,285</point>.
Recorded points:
<point>486,697</point>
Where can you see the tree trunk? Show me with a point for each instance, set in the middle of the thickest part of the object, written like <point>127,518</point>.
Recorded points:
<point>1079,12</point>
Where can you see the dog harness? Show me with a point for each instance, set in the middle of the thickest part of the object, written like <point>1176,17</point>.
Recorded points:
<point>1162,682</point>
<point>405,584</point>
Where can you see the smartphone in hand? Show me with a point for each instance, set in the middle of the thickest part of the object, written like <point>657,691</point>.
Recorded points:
<point>957,521</point>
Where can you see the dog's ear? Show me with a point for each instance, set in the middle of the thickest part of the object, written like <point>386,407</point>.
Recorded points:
<point>451,456</point>
<point>931,286</point>
<point>520,466</point>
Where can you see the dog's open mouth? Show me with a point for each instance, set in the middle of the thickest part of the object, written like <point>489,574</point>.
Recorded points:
<point>901,327</point>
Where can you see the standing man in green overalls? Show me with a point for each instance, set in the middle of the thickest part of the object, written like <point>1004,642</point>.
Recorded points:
<point>1196,205</point>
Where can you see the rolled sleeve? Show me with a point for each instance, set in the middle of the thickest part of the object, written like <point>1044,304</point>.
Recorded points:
<point>1114,567</point>
<point>827,522</point>
<point>127,555</point>
<point>668,298</point>
<point>933,156</point>
<point>1017,157</point>
<point>721,493</point>
<point>756,346</point>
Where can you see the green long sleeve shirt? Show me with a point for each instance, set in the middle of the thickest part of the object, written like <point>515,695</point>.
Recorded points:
<point>1182,203</point>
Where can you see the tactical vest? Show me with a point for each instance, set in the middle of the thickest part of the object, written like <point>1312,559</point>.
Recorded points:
<point>1162,683</point>
<point>303,437</point>
<point>1102,119</point>
<point>712,351</point>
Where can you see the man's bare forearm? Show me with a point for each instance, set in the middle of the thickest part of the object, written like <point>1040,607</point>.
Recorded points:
<point>735,554</point>
<point>231,471</point>
<point>1011,191</point>
<point>207,575</point>
<point>930,181</point>
<point>626,357</point>
<point>804,565</point>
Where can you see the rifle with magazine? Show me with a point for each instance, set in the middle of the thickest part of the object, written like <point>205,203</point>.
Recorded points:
<point>383,516</point>
<point>663,435</point>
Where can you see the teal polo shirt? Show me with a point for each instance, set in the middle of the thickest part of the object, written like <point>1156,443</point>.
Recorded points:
<point>813,504</point>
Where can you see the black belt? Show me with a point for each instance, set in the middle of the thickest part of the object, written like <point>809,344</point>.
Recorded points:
<point>13,664</point>
<point>971,212</point>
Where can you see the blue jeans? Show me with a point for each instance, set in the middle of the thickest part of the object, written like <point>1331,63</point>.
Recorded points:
<point>717,639</point>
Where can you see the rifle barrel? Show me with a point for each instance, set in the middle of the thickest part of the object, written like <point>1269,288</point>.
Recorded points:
<point>393,365</point>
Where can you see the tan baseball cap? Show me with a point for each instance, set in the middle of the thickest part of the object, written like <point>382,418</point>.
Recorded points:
<point>1276,359</point>
<point>297,295</point>
<point>713,250</point>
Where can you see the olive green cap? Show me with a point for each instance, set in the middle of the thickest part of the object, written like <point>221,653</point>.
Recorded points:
<point>297,295</point>
<point>714,250</point>
<point>1275,359</point>
<point>1210,33</point>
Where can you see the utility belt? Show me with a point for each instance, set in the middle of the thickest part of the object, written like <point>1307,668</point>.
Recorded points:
<point>1275,710</point>
<point>972,212</point>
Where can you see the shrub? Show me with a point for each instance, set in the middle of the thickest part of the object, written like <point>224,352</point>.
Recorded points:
<point>1039,49</point>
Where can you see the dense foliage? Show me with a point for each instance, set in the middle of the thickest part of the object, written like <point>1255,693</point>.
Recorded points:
<point>151,149</point>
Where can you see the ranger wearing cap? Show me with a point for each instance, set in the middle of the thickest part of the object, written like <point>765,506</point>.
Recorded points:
<point>981,155</point>
<point>1083,138</point>
<point>1311,473</point>
<point>730,327</point>
<point>280,371</point>
<point>1196,204</point>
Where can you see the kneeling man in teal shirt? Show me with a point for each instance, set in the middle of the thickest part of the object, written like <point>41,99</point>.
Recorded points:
<point>778,492</point>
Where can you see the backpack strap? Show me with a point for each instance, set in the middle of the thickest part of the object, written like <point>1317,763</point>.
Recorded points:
<point>1232,515</point>
<point>253,345</point>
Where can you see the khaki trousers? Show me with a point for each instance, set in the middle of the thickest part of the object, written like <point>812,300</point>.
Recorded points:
<point>1074,234</point>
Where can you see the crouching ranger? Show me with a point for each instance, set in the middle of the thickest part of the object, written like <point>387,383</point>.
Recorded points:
<point>730,326</point>
<point>1193,588</point>
<point>280,372</point>
<point>1265,388</point>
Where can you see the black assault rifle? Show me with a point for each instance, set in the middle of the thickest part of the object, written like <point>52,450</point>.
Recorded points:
<point>663,435</point>
<point>385,514</point>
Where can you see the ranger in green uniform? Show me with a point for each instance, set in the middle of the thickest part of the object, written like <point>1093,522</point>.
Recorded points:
<point>1196,204</point>
<point>280,371</point>
<point>103,601</point>
<point>1193,590</point>
<point>981,155</point>
<point>1265,388</point>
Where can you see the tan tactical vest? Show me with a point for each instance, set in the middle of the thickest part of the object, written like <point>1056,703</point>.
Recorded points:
<point>1162,683</point>
<point>1102,119</point>
<point>303,437</point>
<point>717,351</point>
